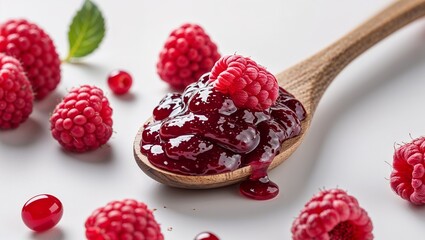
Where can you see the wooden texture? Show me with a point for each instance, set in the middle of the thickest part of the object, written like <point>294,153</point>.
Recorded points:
<point>308,81</point>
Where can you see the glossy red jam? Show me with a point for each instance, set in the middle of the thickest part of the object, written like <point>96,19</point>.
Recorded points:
<point>42,212</point>
<point>206,236</point>
<point>202,132</point>
<point>120,82</point>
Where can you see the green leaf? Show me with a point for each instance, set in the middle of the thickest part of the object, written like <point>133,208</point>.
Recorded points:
<point>86,31</point>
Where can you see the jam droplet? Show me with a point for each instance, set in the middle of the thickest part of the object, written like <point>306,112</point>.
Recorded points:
<point>259,189</point>
<point>206,236</point>
<point>259,186</point>
<point>42,212</point>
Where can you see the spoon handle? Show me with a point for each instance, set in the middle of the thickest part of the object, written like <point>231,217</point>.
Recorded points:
<point>309,79</point>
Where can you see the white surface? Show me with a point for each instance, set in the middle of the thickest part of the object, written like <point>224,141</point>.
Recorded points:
<point>376,102</point>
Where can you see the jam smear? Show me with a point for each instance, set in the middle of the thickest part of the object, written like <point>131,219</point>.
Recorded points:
<point>202,132</point>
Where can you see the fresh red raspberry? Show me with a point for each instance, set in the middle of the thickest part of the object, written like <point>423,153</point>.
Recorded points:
<point>35,49</point>
<point>248,84</point>
<point>408,175</point>
<point>187,54</point>
<point>83,120</point>
<point>332,215</point>
<point>16,97</point>
<point>122,220</point>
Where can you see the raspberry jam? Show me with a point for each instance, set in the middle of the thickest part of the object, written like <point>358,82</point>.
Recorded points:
<point>42,212</point>
<point>202,132</point>
<point>206,236</point>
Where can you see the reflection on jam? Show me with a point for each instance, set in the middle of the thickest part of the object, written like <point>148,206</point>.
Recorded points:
<point>202,132</point>
<point>206,236</point>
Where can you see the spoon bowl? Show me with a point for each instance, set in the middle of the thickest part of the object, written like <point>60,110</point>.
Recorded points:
<point>307,81</point>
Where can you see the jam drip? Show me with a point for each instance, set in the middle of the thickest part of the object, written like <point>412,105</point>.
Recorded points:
<point>202,132</point>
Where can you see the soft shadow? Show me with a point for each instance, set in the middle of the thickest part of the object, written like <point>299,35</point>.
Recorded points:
<point>225,202</point>
<point>128,97</point>
<point>52,234</point>
<point>295,173</point>
<point>169,89</point>
<point>89,67</point>
<point>417,211</point>
<point>48,104</point>
<point>103,155</point>
<point>27,133</point>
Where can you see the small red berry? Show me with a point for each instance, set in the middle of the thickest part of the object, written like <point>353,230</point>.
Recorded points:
<point>188,53</point>
<point>42,212</point>
<point>248,84</point>
<point>206,236</point>
<point>407,177</point>
<point>120,220</point>
<point>120,82</point>
<point>332,214</point>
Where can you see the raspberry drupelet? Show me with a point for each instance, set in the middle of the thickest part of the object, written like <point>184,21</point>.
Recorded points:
<point>203,131</point>
<point>187,54</point>
<point>16,96</point>
<point>83,120</point>
<point>332,215</point>
<point>407,177</point>
<point>119,220</point>
<point>35,49</point>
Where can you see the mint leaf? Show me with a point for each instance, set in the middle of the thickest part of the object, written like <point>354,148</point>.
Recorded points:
<point>86,31</point>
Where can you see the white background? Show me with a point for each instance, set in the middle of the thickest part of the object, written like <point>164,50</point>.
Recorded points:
<point>373,105</point>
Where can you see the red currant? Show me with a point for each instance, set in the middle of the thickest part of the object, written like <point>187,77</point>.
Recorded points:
<point>42,212</point>
<point>206,236</point>
<point>120,82</point>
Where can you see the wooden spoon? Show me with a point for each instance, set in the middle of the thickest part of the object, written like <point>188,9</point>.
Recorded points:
<point>308,81</point>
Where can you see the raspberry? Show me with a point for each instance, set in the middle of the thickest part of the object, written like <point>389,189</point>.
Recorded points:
<point>36,51</point>
<point>16,97</point>
<point>248,84</point>
<point>120,220</point>
<point>83,120</point>
<point>332,214</point>
<point>407,177</point>
<point>187,54</point>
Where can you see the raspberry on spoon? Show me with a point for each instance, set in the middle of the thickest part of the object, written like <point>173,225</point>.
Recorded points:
<point>248,84</point>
